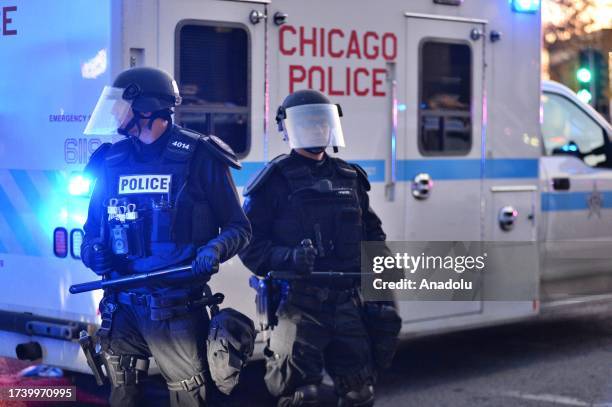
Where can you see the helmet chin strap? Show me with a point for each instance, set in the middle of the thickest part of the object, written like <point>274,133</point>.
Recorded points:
<point>135,122</point>
<point>165,114</point>
<point>315,150</point>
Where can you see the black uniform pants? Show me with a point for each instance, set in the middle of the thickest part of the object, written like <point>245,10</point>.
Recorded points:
<point>178,345</point>
<point>313,335</point>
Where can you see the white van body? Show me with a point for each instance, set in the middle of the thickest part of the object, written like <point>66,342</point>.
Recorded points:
<point>390,68</point>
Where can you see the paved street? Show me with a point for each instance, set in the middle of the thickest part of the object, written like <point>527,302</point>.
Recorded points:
<point>557,361</point>
<point>562,361</point>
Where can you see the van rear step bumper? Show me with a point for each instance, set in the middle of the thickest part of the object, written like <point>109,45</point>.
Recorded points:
<point>30,324</point>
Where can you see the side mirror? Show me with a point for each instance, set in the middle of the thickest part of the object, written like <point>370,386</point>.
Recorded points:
<point>571,148</point>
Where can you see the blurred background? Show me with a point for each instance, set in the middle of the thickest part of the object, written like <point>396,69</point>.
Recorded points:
<point>577,48</point>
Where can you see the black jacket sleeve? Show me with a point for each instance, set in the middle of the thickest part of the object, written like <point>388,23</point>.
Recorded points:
<point>225,203</point>
<point>262,255</point>
<point>95,226</point>
<point>371,222</point>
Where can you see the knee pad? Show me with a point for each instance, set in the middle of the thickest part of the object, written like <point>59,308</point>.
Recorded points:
<point>363,397</point>
<point>124,370</point>
<point>311,395</point>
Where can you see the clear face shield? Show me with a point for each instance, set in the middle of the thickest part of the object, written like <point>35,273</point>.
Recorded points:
<point>316,125</point>
<point>110,112</point>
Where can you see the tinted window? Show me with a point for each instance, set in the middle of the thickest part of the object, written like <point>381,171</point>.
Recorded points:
<point>568,130</point>
<point>445,98</point>
<point>213,76</point>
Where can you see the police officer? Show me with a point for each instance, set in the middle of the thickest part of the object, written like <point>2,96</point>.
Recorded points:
<point>305,196</point>
<point>164,196</point>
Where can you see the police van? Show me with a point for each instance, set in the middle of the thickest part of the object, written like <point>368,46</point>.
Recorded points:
<point>443,106</point>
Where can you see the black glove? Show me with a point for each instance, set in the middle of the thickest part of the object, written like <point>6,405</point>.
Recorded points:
<point>303,258</point>
<point>97,256</point>
<point>206,262</point>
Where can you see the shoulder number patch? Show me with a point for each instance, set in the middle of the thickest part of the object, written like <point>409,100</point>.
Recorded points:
<point>144,184</point>
<point>180,144</point>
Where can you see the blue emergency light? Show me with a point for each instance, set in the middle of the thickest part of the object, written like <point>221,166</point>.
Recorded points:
<point>569,148</point>
<point>525,6</point>
<point>76,239</point>
<point>79,185</point>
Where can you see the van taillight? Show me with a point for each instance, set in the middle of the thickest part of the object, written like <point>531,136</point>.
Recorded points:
<point>76,238</point>
<point>60,242</point>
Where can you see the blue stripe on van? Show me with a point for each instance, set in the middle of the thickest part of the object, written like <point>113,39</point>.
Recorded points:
<point>572,201</point>
<point>25,184</point>
<point>512,168</point>
<point>438,169</point>
<point>463,169</point>
<point>13,219</point>
<point>374,168</point>
<point>248,171</point>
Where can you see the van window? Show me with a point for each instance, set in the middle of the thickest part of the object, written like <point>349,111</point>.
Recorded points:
<point>445,98</point>
<point>568,130</point>
<point>213,76</point>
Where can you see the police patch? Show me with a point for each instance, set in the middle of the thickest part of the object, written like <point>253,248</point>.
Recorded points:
<point>144,184</point>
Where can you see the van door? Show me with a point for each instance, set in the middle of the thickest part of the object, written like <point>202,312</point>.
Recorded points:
<point>219,58</point>
<point>443,160</point>
<point>577,198</point>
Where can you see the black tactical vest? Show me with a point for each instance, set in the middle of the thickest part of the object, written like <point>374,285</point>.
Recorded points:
<point>324,209</point>
<point>172,216</point>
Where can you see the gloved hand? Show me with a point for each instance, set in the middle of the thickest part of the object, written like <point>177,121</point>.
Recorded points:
<point>303,258</point>
<point>206,262</point>
<point>97,256</point>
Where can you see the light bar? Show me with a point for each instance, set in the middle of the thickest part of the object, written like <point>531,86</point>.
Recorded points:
<point>76,239</point>
<point>569,147</point>
<point>525,6</point>
<point>60,242</point>
<point>79,185</point>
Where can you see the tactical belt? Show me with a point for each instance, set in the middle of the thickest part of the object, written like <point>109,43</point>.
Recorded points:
<point>187,384</point>
<point>162,307</point>
<point>148,300</point>
<point>317,295</point>
<point>128,298</point>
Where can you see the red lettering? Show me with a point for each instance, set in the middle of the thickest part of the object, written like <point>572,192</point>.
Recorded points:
<point>281,40</point>
<point>375,48</point>
<point>308,41</point>
<point>6,20</point>
<point>311,73</point>
<point>293,78</point>
<point>348,81</point>
<point>360,92</point>
<point>389,37</point>
<point>353,47</point>
<point>322,42</point>
<point>377,82</point>
<point>330,41</point>
<point>330,82</point>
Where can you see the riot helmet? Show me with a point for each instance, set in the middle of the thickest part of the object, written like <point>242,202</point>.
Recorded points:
<point>141,89</point>
<point>310,121</point>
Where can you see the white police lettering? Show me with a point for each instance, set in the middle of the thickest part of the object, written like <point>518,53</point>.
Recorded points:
<point>145,184</point>
<point>182,145</point>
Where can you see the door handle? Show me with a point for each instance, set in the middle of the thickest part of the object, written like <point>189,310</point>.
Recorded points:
<point>507,218</point>
<point>421,186</point>
<point>561,184</point>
